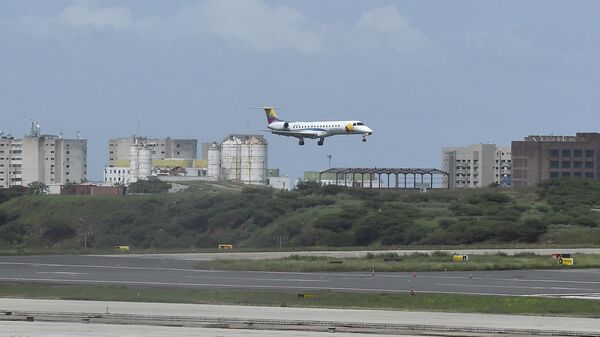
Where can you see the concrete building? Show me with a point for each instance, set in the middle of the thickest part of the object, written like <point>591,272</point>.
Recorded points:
<point>477,165</point>
<point>49,159</point>
<point>538,158</point>
<point>116,175</point>
<point>242,158</point>
<point>11,162</point>
<point>161,148</point>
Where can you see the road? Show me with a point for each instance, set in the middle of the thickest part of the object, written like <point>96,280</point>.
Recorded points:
<point>174,272</point>
<point>333,317</point>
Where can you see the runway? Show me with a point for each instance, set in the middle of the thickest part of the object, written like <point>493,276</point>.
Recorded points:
<point>166,271</point>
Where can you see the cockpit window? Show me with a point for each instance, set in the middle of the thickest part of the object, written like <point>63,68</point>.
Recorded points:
<point>360,123</point>
<point>354,124</point>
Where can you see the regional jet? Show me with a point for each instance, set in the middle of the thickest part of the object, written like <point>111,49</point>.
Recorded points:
<point>315,130</point>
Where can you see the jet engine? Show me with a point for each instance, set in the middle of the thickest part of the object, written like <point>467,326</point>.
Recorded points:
<point>280,126</point>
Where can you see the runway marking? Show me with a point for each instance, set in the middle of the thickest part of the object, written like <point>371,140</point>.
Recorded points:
<point>61,273</point>
<point>507,286</point>
<point>257,279</point>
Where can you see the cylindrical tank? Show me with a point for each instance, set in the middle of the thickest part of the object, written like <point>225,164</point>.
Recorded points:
<point>133,163</point>
<point>230,159</point>
<point>254,161</point>
<point>213,169</point>
<point>145,162</point>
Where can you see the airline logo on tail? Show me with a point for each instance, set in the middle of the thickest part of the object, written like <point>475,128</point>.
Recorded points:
<point>271,114</point>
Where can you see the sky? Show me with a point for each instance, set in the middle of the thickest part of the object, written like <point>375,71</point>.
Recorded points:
<point>422,74</point>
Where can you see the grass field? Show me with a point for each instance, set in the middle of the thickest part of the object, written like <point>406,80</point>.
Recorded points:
<point>437,261</point>
<point>399,301</point>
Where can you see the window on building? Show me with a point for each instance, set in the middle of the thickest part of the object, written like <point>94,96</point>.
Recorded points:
<point>566,174</point>
<point>554,164</point>
<point>577,164</point>
<point>589,164</point>
<point>589,153</point>
<point>589,175</point>
<point>566,164</point>
<point>67,173</point>
<point>577,174</point>
<point>566,153</point>
<point>577,153</point>
<point>554,153</point>
<point>553,175</point>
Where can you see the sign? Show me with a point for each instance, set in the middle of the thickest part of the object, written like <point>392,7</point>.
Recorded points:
<point>123,248</point>
<point>460,258</point>
<point>225,246</point>
<point>566,261</point>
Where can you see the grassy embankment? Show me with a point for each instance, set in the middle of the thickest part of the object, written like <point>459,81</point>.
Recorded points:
<point>557,213</point>
<point>437,261</point>
<point>399,301</point>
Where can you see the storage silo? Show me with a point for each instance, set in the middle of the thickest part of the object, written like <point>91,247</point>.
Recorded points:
<point>133,163</point>
<point>213,169</point>
<point>145,162</point>
<point>254,161</point>
<point>230,159</point>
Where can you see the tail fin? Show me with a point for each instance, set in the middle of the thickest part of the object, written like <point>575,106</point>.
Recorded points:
<point>271,114</point>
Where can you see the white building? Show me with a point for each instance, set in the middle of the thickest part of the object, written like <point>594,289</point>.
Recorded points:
<point>281,183</point>
<point>477,165</point>
<point>116,175</point>
<point>49,159</point>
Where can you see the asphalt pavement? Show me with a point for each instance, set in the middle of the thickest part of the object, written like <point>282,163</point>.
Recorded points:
<point>174,272</point>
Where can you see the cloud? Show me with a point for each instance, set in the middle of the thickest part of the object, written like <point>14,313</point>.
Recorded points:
<point>250,24</point>
<point>386,26</point>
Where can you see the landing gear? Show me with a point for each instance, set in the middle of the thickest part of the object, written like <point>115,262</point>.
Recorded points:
<point>364,139</point>
<point>301,142</point>
<point>320,142</point>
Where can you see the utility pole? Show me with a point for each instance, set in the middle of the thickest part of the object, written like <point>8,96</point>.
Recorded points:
<point>280,238</point>
<point>329,157</point>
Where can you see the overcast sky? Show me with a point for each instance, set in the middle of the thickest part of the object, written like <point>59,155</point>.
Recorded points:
<point>422,74</point>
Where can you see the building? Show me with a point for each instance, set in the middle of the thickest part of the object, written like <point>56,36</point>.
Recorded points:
<point>11,162</point>
<point>477,166</point>
<point>242,158</point>
<point>160,148</point>
<point>116,175</point>
<point>49,159</point>
<point>538,158</point>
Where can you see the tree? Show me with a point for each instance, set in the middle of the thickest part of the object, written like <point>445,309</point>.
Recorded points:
<point>38,188</point>
<point>152,185</point>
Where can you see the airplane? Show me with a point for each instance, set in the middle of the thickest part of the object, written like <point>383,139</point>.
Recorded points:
<point>314,130</point>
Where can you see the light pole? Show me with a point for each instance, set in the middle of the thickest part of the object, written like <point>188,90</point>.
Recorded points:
<point>329,157</point>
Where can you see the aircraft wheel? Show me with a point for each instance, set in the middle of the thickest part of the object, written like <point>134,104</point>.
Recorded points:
<point>301,142</point>
<point>364,140</point>
<point>320,143</point>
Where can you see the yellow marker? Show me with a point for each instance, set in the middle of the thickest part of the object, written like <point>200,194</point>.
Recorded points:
<point>123,248</point>
<point>460,258</point>
<point>566,261</point>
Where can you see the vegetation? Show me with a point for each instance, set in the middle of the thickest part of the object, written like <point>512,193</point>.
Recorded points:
<point>438,261</point>
<point>150,185</point>
<point>324,299</point>
<point>312,216</point>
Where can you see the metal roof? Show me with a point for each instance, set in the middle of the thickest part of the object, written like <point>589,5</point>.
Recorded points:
<point>384,171</point>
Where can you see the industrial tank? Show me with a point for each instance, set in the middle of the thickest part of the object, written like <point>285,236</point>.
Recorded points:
<point>230,159</point>
<point>253,161</point>
<point>213,169</point>
<point>133,163</point>
<point>145,162</point>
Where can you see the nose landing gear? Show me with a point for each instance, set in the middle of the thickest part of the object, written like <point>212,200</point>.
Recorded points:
<point>364,139</point>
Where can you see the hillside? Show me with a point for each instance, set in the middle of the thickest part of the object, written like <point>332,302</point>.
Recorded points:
<point>563,211</point>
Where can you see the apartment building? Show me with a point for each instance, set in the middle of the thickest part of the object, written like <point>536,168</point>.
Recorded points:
<point>538,158</point>
<point>162,148</point>
<point>477,165</point>
<point>11,162</point>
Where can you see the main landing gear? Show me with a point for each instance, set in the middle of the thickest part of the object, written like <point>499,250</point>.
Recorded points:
<point>301,142</point>
<point>320,142</point>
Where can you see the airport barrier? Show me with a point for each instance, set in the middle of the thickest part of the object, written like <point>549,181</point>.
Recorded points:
<point>459,258</point>
<point>271,324</point>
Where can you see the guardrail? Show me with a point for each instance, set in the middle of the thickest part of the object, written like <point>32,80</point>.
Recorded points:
<point>283,324</point>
